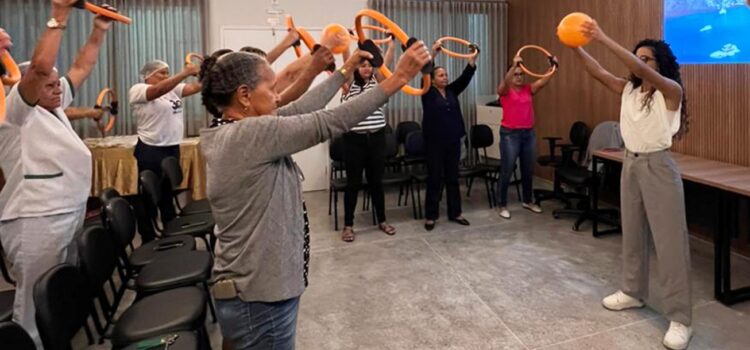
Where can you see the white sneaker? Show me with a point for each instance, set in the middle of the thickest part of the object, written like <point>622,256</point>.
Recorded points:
<point>533,207</point>
<point>620,301</point>
<point>504,213</point>
<point>678,336</point>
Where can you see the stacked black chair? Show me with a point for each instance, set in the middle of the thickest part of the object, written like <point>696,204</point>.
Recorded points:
<point>397,178</point>
<point>403,130</point>
<point>579,136</point>
<point>197,225</point>
<point>414,149</point>
<point>170,166</point>
<point>64,304</point>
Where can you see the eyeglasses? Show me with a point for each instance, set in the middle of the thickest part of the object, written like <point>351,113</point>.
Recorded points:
<point>646,59</point>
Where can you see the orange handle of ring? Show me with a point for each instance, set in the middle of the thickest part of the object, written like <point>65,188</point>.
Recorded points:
<point>546,53</point>
<point>2,106</point>
<point>13,73</point>
<point>111,109</point>
<point>456,54</point>
<point>107,13</point>
<point>377,29</point>
<point>193,57</point>
<point>401,36</point>
<point>303,35</point>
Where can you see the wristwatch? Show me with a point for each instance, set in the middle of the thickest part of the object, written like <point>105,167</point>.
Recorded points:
<point>55,24</point>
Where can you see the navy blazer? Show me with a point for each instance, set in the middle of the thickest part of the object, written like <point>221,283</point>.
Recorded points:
<point>442,120</point>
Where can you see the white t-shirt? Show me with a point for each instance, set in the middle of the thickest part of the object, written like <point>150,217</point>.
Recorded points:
<point>55,172</point>
<point>160,122</point>
<point>647,129</point>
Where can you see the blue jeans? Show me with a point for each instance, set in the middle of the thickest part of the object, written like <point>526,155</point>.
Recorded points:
<point>258,325</point>
<point>516,144</point>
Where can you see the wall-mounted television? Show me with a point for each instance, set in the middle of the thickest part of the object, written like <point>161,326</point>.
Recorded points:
<point>708,31</point>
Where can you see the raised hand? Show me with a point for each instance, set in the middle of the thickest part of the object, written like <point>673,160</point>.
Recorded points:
<point>356,60</point>
<point>411,62</point>
<point>321,59</point>
<point>592,30</point>
<point>103,22</point>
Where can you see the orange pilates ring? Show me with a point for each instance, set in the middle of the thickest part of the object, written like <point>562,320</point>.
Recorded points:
<point>377,29</point>
<point>13,74</point>
<point>303,35</point>
<point>552,63</point>
<point>110,109</point>
<point>472,47</point>
<point>192,57</point>
<point>399,34</point>
<point>102,11</point>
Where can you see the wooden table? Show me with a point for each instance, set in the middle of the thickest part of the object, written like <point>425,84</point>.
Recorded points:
<point>732,183</point>
<point>115,166</point>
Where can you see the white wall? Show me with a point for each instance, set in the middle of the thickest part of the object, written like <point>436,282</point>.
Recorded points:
<point>306,13</point>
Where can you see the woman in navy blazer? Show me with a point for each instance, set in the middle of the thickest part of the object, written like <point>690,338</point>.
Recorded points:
<point>443,127</point>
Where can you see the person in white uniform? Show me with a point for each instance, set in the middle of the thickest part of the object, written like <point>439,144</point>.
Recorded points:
<point>156,103</point>
<point>652,113</point>
<point>47,205</point>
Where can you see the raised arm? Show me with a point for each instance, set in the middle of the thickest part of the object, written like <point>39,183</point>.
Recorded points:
<point>88,55</point>
<point>542,82</point>
<point>192,89</point>
<point>390,52</point>
<point>322,58</point>
<point>286,136</point>
<point>613,83</point>
<point>163,87</point>
<point>290,73</point>
<point>291,37</point>
<point>459,85</point>
<point>671,89</point>
<point>75,113</point>
<point>318,97</point>
<point>45,54</point>
<point>502,88</point>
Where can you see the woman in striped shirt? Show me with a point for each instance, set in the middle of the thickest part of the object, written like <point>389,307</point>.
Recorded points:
<point>364,149</point>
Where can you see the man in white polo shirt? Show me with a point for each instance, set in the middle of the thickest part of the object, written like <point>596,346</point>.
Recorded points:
<point>47,205</point>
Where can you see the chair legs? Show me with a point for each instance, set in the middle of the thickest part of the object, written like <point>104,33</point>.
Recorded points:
<point>210,301</point>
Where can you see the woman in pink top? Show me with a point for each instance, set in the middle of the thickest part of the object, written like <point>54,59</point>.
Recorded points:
<point>517,138</point>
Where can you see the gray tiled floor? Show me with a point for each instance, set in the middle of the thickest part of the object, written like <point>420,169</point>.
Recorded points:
<point>527,283</point>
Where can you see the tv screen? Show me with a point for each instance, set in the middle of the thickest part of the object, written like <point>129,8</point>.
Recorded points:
<point>708,31</point>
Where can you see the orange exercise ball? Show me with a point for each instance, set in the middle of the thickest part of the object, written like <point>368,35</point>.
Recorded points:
<point>335,37</point>
<point>569,30</point>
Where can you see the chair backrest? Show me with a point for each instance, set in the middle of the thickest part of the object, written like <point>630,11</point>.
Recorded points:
<point>13,336</point>
<point>391,146</point>
<point>481,136</point>
<point>579,134</point>
<point>414,145</point>
<point>121,222</point>
<point>170,166</point>
<point>108,194</point>
<point>63,302</point>
<point>97,257</point>
<point>605,135</point>
<point>403,129</point>
<point>150,187</point>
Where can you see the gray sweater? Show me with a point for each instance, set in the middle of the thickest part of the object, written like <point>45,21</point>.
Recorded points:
<point>255,188</point>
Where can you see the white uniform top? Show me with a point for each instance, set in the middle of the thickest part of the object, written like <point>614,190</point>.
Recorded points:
<point>10,158</point>
<point>647,130</point>
<point>160,121</point>
<point>55,172</point>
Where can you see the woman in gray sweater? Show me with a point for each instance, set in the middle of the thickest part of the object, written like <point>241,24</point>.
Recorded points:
<point>255,189</point>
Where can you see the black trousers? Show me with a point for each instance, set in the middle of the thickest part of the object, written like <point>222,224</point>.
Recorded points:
<point>443,157</point>
<point>364,152</point>
<point>149,158</point>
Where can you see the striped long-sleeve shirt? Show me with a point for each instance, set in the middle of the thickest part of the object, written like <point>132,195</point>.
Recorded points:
<point>376,120</point>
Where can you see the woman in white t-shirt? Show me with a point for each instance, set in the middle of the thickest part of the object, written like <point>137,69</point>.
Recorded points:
<point>156,103</point>
<point>652,113</point>
<point>50,187</point>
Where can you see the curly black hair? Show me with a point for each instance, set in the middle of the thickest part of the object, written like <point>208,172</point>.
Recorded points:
<point>668,67</point>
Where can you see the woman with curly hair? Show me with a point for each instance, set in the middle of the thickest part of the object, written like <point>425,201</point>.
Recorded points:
<point>652,114</point>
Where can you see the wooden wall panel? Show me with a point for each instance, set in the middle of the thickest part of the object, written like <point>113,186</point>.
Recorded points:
<point>718,95</point>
